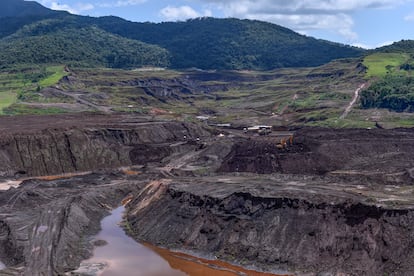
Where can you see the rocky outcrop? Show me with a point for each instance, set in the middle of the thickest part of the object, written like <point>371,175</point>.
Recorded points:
<point>57,151</point>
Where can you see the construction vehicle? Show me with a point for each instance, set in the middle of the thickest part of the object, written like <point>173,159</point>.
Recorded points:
<point>284,142</point>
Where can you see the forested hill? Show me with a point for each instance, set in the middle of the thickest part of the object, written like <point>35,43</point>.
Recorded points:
<point>47,42</point>
<point>206,43</point>
<point>211,43</point>
<point>403,46</point>
<point>20,8</point>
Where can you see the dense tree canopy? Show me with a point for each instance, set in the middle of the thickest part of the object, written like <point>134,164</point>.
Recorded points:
<point>205,43</point>
<point>393,92</point>
<point>211,43</point>
<point>88,46</point>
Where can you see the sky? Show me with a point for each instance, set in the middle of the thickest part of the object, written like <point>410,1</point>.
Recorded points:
<point>363,23</point>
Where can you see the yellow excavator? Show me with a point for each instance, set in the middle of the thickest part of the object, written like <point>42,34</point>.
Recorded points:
<point>284,142</point>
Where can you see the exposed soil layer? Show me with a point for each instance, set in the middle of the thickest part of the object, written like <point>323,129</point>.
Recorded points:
<point>45,225</point>
<point>380,155</point>
<point>334,201</point>
<point>298,224</point>
<point>77,144</point>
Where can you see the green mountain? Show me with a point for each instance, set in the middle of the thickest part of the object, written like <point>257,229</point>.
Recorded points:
<point>20,8</point>
<point>206,43</point>
<point>211,43</point>
<point>404,46</point>
<point>14,14</point>
<point>42,43</point>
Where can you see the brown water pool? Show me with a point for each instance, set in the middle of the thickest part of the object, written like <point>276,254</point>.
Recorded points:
<point>124,256</point>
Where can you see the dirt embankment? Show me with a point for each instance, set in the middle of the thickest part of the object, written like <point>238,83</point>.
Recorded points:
<point>57,151</point>
<point>379,155</point>
<point>45,226</point>
<point>277,224</point>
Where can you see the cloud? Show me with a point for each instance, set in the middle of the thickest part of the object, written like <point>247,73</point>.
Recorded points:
<point>75,9</point>
<point>409,17</point>
<point>365,46</point>
<point>62,7</point>
<point>172,13</point>
<point>121,3</point>
<point>304,15</point>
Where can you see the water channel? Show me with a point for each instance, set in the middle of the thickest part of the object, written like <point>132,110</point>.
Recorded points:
<point>121,255</point>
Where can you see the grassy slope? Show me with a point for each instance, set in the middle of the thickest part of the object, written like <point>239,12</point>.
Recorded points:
<point>23,82</point>
<point>381,64</point>
<point>56,73</point>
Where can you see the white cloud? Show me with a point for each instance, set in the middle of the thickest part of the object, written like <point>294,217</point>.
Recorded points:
<point>121,3</point>
<point>304,15</point>
<point>84,6</point>
<point>385,43</point>
<point>62,7</point>
<point>409,17</point>
<point>365,46</point>
<point>172,13</point>
<point>75,9</point>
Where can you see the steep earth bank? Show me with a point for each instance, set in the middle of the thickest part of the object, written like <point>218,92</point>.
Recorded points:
<point>57,151</point>
<point>308,226</point>
<point>383,156</point>
<point>45,226</point>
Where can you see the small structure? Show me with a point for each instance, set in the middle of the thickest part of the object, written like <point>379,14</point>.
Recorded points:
<point>203,118</point>
<point>223,125</point>
<point>261,129</point>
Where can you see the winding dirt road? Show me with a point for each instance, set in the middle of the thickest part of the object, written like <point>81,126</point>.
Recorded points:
<point>353,101</point>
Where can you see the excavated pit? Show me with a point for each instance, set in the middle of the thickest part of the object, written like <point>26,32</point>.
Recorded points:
<point>335,201</point>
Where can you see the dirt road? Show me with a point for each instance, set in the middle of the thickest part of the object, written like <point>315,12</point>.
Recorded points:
<point>353,101</point>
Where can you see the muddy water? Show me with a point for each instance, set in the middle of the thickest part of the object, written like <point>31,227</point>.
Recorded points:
<point>124,256</point>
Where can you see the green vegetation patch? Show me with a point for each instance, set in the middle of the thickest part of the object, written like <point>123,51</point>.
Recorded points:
<point>381,64</point>
<point>55,73</point>
<point>6,99</point>
<point>22,109</point>
<point>22,83</point>
<point>68,42</point>
<point>393,92</point>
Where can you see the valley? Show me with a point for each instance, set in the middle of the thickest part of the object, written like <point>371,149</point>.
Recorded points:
<point>209,146</point>
<point>202,188</point>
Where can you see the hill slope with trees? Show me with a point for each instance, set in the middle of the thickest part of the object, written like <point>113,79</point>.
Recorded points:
<point>211,43</point>
<point>206,43</point>
<point>43,43</point>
